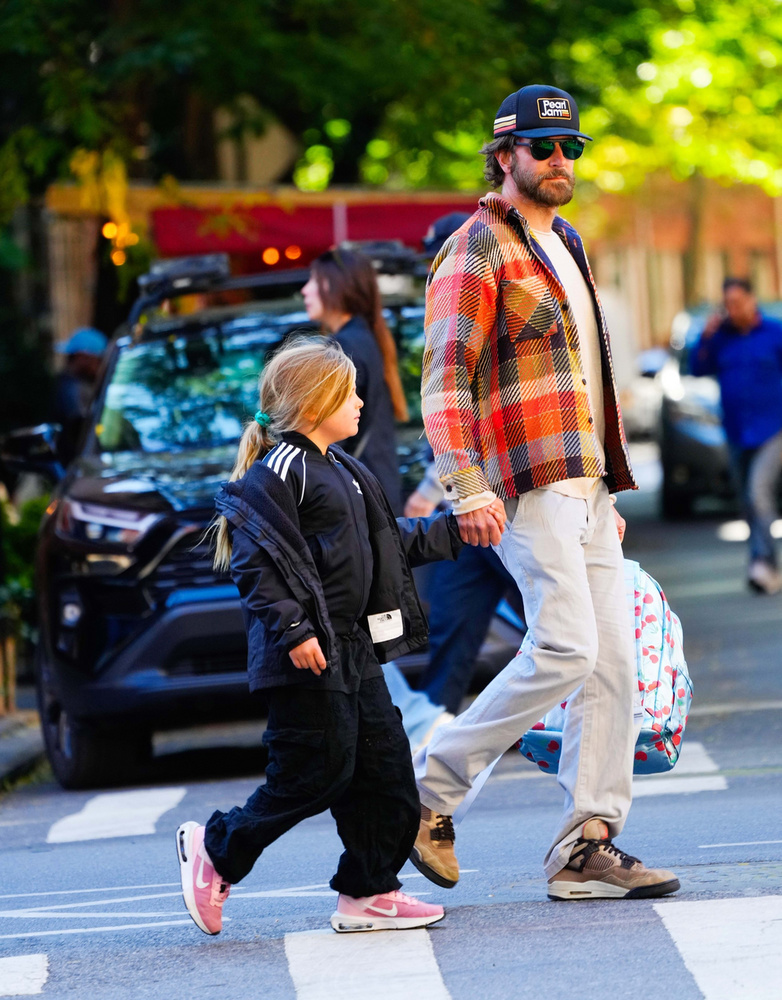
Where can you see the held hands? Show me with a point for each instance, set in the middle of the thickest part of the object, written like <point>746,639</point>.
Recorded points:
<point>484,526</point>
<point>309,656</point>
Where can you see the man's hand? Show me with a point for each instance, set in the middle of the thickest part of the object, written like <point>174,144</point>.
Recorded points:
<point>713,324</point>
<point>484,526</point>
<point>621,525</point>
<point>309,656</point>
<point>418,506</point>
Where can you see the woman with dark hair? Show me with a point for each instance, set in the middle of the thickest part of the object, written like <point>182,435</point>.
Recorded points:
<point>343,295</point>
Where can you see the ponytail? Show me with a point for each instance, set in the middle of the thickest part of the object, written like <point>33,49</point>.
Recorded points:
<point>255,442</point>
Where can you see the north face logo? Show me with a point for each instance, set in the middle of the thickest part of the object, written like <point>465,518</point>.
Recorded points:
<point>553,107</point>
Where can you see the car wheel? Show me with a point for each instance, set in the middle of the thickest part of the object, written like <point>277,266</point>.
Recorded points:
<point>675,504</point>
<point>82,755</point>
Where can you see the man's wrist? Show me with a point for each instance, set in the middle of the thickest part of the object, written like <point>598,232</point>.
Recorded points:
<point>476,502</point>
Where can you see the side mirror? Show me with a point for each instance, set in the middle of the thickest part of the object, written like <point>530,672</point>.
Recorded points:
<point>33,449</point>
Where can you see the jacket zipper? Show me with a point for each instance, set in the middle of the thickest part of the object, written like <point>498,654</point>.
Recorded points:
<point>363,601</point>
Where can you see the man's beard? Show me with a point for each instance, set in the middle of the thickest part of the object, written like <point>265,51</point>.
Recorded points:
<point>531,185</point>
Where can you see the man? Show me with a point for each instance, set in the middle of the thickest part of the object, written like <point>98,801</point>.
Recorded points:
<point>520,406</point>
<point>743,349</point>
<point>75,385</point>
<point>465,593</point>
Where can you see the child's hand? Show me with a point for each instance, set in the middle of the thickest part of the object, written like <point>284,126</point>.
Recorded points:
<point>309,656</point>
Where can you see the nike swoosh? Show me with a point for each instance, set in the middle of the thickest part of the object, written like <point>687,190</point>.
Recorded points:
<point>386,913</point>
<point>200,884</point>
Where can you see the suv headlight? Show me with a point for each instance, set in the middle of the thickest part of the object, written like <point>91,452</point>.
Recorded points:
<point>92,524</point>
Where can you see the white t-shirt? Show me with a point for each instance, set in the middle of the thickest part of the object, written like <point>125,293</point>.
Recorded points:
<point>581,302</point>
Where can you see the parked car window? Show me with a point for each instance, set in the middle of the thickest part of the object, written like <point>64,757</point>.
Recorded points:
<point>185,391</point>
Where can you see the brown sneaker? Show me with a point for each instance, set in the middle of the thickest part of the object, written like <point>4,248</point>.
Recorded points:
<point>432,853</point>
<point>598,870</point>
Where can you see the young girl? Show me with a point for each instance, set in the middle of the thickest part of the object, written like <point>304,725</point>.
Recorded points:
<point>344,296</point>
<point>323,571</point>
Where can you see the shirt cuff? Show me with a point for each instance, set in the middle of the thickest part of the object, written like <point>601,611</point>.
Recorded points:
<point>464,485</point>
<point>475,502</point>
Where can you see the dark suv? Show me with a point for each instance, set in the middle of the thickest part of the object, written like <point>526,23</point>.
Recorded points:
<point>137,631</point>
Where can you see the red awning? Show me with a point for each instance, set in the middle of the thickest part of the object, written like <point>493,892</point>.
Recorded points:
<point>242,229</point>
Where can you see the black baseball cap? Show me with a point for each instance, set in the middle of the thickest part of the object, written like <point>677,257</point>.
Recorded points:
<point>441,229</point>
<point>537,112</point>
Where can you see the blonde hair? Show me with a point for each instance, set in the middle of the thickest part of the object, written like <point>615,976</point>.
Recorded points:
<point>304,382</point>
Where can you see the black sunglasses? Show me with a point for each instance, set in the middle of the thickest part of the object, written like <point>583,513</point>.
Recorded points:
<point>542,149</point>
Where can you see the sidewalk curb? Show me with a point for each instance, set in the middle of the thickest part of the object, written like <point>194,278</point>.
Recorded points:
<point>21,745</point>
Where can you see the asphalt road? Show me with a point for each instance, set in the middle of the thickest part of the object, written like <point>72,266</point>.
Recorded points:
<point>90,907</point>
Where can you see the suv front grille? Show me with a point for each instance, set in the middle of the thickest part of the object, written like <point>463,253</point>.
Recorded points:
<point>200,664</point>
<point>188,564</point>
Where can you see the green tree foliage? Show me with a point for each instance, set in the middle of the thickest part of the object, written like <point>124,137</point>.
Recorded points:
<point>400,93</point>
<point>705,101</point>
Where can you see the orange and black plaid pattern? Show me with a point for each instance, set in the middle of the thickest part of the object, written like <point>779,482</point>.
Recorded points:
<point>505,400</point>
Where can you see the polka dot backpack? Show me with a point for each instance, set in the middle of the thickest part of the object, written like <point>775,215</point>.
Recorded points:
<point>664,685</point>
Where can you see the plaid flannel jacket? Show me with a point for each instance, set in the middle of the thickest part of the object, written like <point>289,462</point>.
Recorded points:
<point>505,401</point>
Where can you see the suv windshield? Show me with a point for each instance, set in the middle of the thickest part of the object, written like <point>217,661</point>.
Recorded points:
<point>195,386</point>
<point>191,389</point>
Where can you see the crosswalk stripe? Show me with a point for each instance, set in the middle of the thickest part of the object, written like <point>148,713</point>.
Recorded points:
<point>732,947</point>
<point>675,785</point>
<point>116,814</point>
<point>393,964</point>
<point>23,975</point>
<point>695,771</point>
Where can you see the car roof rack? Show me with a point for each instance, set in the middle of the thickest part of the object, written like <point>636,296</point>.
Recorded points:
<point>211,272</point>
<point>167,279</point>
<point>388,256</point>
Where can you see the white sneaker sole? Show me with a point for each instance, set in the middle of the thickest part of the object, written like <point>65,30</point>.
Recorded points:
<point>186,856</point>
<point>605,890</point>
<point>344,924</point>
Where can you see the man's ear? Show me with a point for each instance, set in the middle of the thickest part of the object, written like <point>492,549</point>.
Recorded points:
<point>505,157</point>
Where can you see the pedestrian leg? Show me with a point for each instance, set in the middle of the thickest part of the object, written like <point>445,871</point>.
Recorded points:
<point>543,550</point>
<point>377,815</point>
<point>311,737</point>
<point>596,761</point>
<point>464,596</point>
<point>761,499</point>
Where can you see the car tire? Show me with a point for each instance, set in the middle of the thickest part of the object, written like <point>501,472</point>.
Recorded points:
<point>80,753</point>
<point>675,505</point>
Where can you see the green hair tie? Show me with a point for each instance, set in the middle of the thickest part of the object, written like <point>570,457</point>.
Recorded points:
<point>263,418</point>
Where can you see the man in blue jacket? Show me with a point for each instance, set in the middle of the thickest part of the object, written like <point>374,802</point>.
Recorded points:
<point>743,349</point>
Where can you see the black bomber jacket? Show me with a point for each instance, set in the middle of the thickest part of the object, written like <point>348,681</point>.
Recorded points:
<point>274,568</point>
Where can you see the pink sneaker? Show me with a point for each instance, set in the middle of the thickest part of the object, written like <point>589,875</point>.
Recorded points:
<point>390,911</point>
<point>204,890</point>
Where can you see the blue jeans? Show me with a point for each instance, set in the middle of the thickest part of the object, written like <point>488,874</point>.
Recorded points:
<point>757,471</point>
<point>419,713</point>
<point>464,596</point>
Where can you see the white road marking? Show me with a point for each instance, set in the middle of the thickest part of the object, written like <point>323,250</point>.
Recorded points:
<point>695,759</point>
<point>116,814</point>
<point>80,892</point>
<point>393,964</point>
<point>741,843</point>
<point>732,947</point>
<point>731,708</point>
<point>678,786</point>
<point>96,930</point>
<point>694,772</point>
<point>23,975</point>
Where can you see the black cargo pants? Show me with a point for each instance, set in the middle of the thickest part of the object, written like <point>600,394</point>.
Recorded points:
<point>346,752</point>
